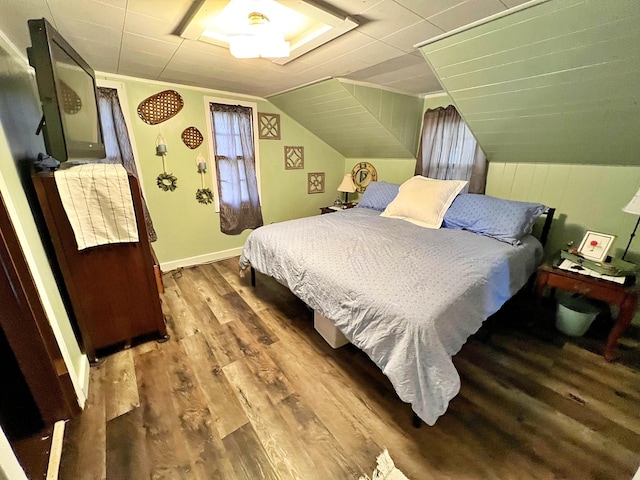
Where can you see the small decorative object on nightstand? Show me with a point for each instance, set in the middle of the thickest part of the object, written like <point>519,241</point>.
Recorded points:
<point>336,208</point>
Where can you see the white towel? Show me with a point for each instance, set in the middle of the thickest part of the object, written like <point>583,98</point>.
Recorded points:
<point>98,203</point>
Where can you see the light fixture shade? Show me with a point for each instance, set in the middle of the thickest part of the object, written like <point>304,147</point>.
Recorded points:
<point>250,46</point>
<point>633,206</point>
<point>259,40</point>
<point>347,184</point>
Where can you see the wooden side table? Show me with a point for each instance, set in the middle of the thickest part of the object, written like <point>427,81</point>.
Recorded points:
<point>625,297</point>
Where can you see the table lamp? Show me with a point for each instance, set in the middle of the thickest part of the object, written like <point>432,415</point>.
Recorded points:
<point>633,207</point>
<point>347,187</point>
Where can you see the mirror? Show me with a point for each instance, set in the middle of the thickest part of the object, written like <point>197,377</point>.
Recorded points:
<point>363,174</point>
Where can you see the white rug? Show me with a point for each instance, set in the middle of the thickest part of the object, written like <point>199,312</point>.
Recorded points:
<point>386,469</point>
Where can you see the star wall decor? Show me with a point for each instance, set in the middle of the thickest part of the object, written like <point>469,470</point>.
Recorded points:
<point>293,158</point>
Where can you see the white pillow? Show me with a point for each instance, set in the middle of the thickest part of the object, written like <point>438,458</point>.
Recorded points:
<point>424,201</point>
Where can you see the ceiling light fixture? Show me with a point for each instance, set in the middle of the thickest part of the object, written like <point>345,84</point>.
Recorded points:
<point>305,25</point>
<point>260,39</point>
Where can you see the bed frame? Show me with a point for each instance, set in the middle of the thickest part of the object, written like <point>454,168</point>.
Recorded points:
<point>416,421</point>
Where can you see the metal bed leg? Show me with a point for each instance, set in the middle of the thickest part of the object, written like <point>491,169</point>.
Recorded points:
<point>416,421</point>
<point>253,277</point>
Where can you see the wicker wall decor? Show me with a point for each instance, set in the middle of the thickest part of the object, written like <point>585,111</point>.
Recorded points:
<point>268,126</point>
<point>160,107</point>
<point>315,182</point>
<point>293,158</point>
<point>192,137</point>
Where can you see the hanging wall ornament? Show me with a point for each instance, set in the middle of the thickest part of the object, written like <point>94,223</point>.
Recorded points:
<point>160,107</point>
<point>165,181</point>
<point>192,137</point>
<point>203,195</point>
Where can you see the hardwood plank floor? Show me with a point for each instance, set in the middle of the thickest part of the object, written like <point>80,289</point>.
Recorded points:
<point>247,389</point>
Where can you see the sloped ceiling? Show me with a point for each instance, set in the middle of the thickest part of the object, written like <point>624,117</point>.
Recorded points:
<point>356,120</point>
<point>558,82</point>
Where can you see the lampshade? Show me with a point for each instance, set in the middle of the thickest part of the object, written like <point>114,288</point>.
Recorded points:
<point>260,40</point>
<point>347,184</point>
<point>633,206</point>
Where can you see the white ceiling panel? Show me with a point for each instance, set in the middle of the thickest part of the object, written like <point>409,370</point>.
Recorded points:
<point>142,69</point>
<point>385,18</point>
<point>88,11</point>
<point>406,38</point>
<point>339,67</point>
<point>151,27</point>
<point>114,3</point>
<point>167,10</point>
<point>338,47</point>
<point>429,8</point>
<point>354,7</point>
<point>138,43</point>
<point>374,53</point>
<point>139,37</point>
<point>83,31</point>
<point>466,13</point>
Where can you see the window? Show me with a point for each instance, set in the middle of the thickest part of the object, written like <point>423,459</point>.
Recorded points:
<point>235,158</point>
<point>449,151</point>
<point>118,140</point>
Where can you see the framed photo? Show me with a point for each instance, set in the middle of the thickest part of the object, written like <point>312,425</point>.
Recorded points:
<point>595,246</point>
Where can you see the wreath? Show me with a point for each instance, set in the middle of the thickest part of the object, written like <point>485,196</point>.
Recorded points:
<point>167,182</point>
<point>204,196</point>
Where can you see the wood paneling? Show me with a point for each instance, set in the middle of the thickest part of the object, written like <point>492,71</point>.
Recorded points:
<point>555,83</point>
<point>357,121</point>
<point>262,396</point>
<point>586,197</point>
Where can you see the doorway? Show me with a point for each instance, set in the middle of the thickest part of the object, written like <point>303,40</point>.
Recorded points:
<point>37,389</point>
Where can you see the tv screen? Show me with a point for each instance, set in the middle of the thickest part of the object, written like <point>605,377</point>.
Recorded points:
<point>67,89</point>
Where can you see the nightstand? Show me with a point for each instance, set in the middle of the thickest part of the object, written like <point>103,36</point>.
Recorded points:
<point>332,209</point>
<point>624,297</point>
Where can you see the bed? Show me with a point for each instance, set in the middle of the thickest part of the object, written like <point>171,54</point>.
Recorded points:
<point>406,295</point>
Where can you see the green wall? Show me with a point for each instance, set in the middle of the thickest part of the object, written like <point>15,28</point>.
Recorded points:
<point>397,170</point>
<point>356,120</point>
<point>189,232</point>
<point>19,117</point>
<point>587,197</point>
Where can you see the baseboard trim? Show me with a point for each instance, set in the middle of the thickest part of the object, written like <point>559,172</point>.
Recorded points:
<point>200,259</point>
<point>55,452</point>
<point>84,381</point>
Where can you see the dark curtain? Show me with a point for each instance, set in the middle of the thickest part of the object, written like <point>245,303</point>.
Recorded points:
<point>117,143</point>
<point>236,168</point>
<point>449,151</point>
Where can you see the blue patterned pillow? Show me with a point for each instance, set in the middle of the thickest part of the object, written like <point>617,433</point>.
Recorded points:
<point>504,220</point>
<point>378,195</point>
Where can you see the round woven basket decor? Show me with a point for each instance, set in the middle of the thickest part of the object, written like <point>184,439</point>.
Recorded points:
<point>160,107</point>
<point>192,137</point>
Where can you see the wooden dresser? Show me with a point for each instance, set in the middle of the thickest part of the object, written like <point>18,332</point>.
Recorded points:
<point>112,288</point>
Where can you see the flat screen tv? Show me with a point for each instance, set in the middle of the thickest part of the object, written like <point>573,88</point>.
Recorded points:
<point>67,89</point>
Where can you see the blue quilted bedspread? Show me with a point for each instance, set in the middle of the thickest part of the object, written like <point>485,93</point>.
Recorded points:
<point>407,296</point>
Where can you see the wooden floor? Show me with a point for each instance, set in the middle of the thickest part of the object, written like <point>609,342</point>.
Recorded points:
<point>246,389</point>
